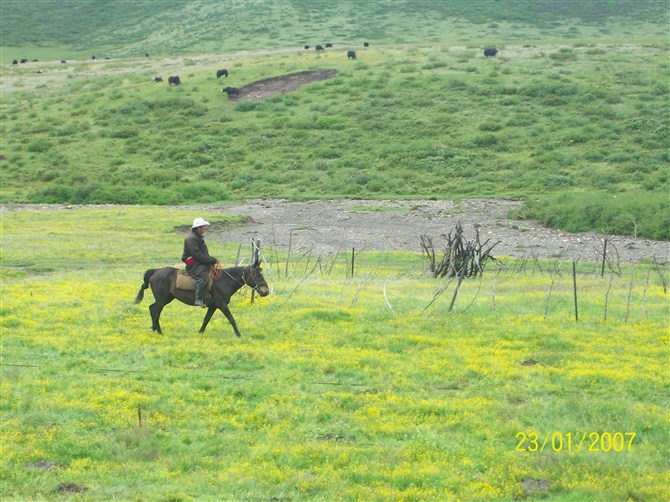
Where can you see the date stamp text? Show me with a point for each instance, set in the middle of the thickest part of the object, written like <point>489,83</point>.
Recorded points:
<point>558,442</point>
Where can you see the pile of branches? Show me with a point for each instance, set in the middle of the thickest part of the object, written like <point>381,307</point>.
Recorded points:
<point>462,258</point>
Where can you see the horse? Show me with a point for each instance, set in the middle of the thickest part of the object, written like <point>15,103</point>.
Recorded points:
<point>163,282</point>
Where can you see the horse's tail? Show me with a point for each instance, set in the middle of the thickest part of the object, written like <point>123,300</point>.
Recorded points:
<point>145,285</point>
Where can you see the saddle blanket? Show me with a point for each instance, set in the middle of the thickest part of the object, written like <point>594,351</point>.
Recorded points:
<point>187,283</point>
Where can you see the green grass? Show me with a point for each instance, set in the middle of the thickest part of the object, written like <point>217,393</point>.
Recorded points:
<point>576,102</point>
<point>341,388</point>
<point>123,29</point>
<point>637,213</point>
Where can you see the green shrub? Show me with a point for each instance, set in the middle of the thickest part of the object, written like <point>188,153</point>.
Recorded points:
<point>123,133</point>
<point>434,65</point>
<point>334,123</point>
<point>490,126</point>
<point>646,214</point>
<point>53,194</point>
<point>247,106</point>
<point>485,141</point>
<point>564,55</point>
<point>39,146</point>
<point>203,192</point>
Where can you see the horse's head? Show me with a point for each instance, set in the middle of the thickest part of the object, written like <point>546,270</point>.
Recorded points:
<point>253,277</point>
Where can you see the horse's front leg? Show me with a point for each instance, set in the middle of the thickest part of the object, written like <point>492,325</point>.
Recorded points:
<point>226,311</point>
<point>208,316</point>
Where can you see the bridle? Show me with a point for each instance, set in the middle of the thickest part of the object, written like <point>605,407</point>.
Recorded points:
<point>244,278</point>
<point>243,282</point>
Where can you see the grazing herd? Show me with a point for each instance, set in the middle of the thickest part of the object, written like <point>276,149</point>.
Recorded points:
<point>234,92</point>
<point>323,47</point>
<point>24,60</point>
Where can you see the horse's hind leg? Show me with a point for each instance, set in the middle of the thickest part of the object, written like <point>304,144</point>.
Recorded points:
<point>155,316</point>
<point>155,310</point>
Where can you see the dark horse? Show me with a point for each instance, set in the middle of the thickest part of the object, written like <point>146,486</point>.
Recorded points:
<point>163,282</point>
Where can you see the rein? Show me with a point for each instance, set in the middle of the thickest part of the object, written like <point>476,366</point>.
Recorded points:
<point>243,282</point>
<point>215,272</point>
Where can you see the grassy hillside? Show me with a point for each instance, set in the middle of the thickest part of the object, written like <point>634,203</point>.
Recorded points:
<point>127,29</point>
<point>341,388</point>
<point>576,103</point>
<point>405,122</point>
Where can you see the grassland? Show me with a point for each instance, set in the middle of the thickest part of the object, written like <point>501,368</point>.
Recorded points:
<point>397,123</point>
<point>131,29</point>
<point>341,388</point>
<point>574,109</point>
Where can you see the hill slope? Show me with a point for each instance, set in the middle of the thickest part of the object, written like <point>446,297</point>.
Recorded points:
<point>581,121</point>
<point>127,29</point>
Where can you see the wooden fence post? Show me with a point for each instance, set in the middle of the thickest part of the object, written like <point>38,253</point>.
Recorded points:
<point>574,285</point>
<point>288,254</point>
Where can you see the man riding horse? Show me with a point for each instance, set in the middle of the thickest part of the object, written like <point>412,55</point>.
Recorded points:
<point>197,258</point>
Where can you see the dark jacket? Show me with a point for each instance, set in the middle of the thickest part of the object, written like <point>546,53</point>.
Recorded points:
<point>194,246</point>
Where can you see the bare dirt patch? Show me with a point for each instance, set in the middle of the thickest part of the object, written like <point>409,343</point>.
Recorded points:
<point>69,488</point>
<point>324,227</point>
<point>531,486</point>
<point>44,465</point>
<point>262,89</point>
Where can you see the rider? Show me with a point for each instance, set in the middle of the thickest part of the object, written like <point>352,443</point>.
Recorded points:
<point>197,258</point>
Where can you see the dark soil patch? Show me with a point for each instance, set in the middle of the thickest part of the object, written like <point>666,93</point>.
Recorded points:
<point>334,437</point>
<point>531,485</point>
<point>69,488</point>
<point>516,400</point>
<point>45,466</point>
<point>268,87</point>
<point>451,386</point>
<point>24,269</point>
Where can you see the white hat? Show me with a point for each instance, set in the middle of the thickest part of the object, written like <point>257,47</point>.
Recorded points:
<point>200,222</point>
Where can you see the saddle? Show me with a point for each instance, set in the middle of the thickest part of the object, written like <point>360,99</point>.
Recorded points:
<point>186,282</point>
